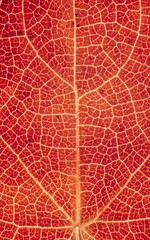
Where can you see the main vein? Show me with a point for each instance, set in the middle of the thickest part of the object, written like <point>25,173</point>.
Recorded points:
<point>77,128</point>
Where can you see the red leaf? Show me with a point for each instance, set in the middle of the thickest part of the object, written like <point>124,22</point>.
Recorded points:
<point>74,120</point>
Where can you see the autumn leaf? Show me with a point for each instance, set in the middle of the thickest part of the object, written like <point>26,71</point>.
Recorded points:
<point>74,120</point>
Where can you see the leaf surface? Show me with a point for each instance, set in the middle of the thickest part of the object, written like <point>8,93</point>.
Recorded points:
<point>74,120</point>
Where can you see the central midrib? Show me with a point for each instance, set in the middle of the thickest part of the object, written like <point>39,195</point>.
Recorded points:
<point>78,202</point>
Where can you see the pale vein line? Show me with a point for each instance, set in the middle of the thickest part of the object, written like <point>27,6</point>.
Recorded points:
<point>15,234</point>
<point>117,194</point>
<point>78,190</point>
<point>11,37</point>
<point>70,238</point>
<point>123,221</point>
<point>125,27</point>
<point>36,227</point>
<point>109,57</point>
<point>37,182</point>
<point>105,24</point>
<point>42,60</point>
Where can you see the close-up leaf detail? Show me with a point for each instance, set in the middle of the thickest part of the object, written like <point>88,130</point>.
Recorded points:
<point>74,119</point>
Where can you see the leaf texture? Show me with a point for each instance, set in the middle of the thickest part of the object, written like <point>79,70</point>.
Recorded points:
<point>74,120</point>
